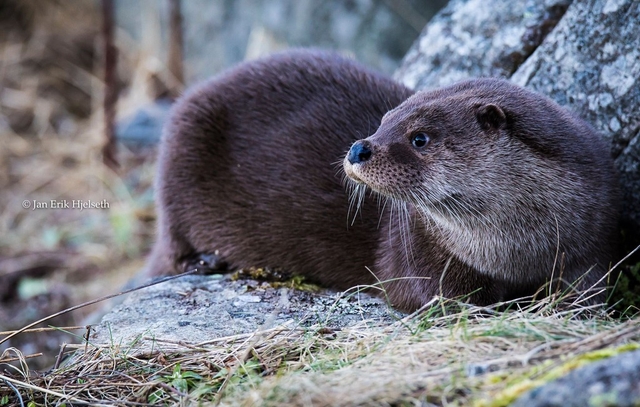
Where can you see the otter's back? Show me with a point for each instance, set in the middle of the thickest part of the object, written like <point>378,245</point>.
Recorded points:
<point>249,166</point>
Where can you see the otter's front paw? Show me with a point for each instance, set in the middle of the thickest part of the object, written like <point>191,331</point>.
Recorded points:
<point>206,263</point>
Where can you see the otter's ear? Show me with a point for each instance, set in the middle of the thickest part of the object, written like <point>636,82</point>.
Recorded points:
<point>491,117</point>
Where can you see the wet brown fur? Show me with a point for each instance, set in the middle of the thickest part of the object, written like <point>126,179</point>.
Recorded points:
<point>247,168</point>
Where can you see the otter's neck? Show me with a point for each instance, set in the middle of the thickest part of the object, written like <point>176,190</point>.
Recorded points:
<point>496,246</point>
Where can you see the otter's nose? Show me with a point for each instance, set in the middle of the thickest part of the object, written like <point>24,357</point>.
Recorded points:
<point>359,152</point>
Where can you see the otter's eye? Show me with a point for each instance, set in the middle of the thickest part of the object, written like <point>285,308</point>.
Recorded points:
<point>419,140</point>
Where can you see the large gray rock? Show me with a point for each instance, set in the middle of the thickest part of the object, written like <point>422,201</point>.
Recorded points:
<point>471,38</point>
<point>610,382</point>
<point>590,63</point>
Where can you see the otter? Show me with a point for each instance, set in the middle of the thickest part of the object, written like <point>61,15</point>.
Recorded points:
<point>249,169</point>
<point>484,190</point>
<point>499,190</point>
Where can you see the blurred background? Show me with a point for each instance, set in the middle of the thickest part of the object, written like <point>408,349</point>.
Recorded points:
<point>75,128</point>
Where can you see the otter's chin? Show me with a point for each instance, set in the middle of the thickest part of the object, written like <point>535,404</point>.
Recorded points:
<point>352,172</point>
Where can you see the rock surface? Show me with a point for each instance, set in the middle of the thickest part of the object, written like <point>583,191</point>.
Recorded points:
<point>610,382</point>
<point>469,39</point>
<point>194,309</point>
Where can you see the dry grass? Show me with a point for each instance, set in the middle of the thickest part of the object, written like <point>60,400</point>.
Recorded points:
<point>472,356</point>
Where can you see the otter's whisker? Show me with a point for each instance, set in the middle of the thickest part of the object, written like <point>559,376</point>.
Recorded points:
<point>355,202</point>
<point>386,200</point>
<point>406,234</point>
<point>425,208</point>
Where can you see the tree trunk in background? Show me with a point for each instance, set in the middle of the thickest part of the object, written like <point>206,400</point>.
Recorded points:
<point>175,63</point>
<point>588,62</point>
<point>110,91</point>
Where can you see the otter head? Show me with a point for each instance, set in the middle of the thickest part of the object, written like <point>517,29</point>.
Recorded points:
<point>434,151</point>
<point>487,163</point>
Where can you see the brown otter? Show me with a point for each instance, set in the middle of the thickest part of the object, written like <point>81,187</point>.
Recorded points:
<point>250,167</point>
<point>488,182</point>
<point>499,187</point>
